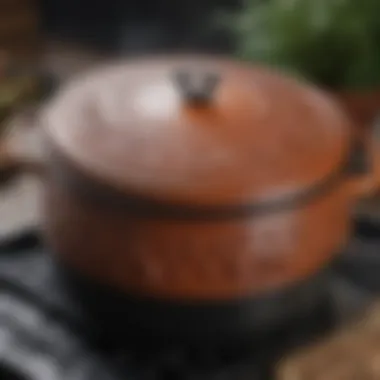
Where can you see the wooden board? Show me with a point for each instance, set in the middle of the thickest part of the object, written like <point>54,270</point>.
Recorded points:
<point>352,353</point>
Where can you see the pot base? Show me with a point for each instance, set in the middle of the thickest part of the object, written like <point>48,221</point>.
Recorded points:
<point>126,317</point>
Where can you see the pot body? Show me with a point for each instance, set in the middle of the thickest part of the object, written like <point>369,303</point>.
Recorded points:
<point>239,276</point>
<point>201,187</point>
<point>193,259</point>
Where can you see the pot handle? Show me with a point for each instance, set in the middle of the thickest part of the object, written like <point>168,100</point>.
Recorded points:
<point>365,170</point>
<point>13,164</point>
<point>12,168</point>
<point>374,149</point>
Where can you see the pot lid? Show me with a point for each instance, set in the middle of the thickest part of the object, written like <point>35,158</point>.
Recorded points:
<point>198,130</point>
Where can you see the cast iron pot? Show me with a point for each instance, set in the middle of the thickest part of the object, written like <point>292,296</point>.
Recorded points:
<point>201,197</point>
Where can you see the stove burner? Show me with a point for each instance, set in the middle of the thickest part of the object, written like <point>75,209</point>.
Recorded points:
<point>50,329</point>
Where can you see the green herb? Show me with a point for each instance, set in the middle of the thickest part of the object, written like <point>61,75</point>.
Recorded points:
<point>335,43</point>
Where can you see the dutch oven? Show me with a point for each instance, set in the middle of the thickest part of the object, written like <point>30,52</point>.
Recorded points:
<point>203,196</point>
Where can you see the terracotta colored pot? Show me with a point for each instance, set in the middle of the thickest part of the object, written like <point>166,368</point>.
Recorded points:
<point>201,183</point>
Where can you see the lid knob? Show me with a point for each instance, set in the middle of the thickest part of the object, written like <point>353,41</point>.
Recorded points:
<point>196,87</point>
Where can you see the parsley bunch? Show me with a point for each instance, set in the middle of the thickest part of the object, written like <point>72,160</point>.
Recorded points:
<point>335,43</point>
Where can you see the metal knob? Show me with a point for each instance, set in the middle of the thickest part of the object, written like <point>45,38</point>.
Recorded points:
<point>196,87</point>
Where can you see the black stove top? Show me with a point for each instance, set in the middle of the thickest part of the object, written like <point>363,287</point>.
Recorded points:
<point>44,334</point>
